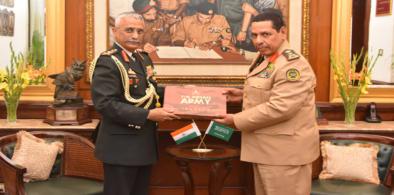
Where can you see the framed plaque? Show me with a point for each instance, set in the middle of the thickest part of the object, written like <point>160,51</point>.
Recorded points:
<point>195,102</point>
<point>383,7</point>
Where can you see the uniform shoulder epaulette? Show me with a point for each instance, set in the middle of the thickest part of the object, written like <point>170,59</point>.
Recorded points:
<point>109,52</point>
<point>290,55</point>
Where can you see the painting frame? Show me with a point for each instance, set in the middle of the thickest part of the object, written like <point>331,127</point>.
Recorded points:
<point>384,7</point>
<point>340,39</point>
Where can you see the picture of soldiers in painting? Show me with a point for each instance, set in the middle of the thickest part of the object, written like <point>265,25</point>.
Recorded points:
<point>197,23</point>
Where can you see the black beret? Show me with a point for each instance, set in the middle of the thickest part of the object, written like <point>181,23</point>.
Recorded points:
<point>206,8</point>
<point>142,6</point>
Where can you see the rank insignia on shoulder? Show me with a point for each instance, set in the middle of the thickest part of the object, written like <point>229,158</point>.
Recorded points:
<point>109,52</point>
<point>290,54</point>
<point>293,74</point>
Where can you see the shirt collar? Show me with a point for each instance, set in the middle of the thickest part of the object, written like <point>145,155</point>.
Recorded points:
<point>129,53</point>
<point>285,45</point>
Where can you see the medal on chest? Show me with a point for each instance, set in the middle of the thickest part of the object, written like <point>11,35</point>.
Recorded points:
<point>133,79</point>
<point>267,72</point>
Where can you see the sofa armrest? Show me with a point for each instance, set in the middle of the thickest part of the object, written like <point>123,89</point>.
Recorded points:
<point>392,179</point>
<point>12,175</point>
<point>79,159</point>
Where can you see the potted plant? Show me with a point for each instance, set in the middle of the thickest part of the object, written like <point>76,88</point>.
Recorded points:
<point>13,80</point>
<point>351,83</point>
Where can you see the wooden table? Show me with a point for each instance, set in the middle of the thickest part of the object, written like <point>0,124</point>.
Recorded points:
<point>219,159</point>
<point>38,125</point>
<point>383,128</point>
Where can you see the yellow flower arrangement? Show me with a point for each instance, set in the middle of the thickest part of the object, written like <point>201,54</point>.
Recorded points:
<point>37,76</point>
<point>12,82</point>
<point>350,82</point>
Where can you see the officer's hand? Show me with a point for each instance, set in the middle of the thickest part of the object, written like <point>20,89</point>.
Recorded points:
<point>171,19</point>
<point>231,49</point>
<point>246,7</point>
<point>227,119</point>
<point>241,36</point>
<point>149,48</point>
<point>233,94</point>
<point>205,46</point>
<point>161,114</point>
<point>190,44</point>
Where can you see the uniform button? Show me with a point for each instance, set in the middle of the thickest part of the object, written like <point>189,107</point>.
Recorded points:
<point>130,125</point>
<point>138,127</point>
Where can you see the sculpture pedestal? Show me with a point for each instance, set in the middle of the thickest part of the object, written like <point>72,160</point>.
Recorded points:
<point>67,115</point>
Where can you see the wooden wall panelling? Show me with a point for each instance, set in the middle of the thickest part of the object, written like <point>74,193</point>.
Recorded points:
<point>320,44</point>
<point>76,38</point>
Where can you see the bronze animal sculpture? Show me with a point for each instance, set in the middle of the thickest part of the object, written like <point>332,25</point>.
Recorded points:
<point>65,93</point>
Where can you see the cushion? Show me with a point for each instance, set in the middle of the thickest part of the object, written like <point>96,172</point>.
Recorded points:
<point>8,150</point>
<point>356,162</point>
<point>35,155</point>
<point>384,155</point>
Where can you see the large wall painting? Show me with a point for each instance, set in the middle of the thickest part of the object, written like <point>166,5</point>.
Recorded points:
<point>166,24</point>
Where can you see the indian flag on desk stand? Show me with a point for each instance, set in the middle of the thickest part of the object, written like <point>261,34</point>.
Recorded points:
<point>219,131</point>
<point>186,133</point>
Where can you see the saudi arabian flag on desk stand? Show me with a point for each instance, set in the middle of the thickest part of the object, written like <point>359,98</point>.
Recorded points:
<point>186,133</point>
<point>219,131</point>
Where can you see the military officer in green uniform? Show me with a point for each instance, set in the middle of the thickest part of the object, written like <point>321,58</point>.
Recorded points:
<point>127,97</point>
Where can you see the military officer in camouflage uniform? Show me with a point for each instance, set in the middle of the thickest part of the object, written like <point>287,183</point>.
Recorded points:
<point>279,131</point>
<point>127,97</point>
<point>204,30</point>
<point>156,32</point>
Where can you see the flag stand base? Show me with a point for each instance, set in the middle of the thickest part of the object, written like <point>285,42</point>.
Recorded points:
<point>202,150</point>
